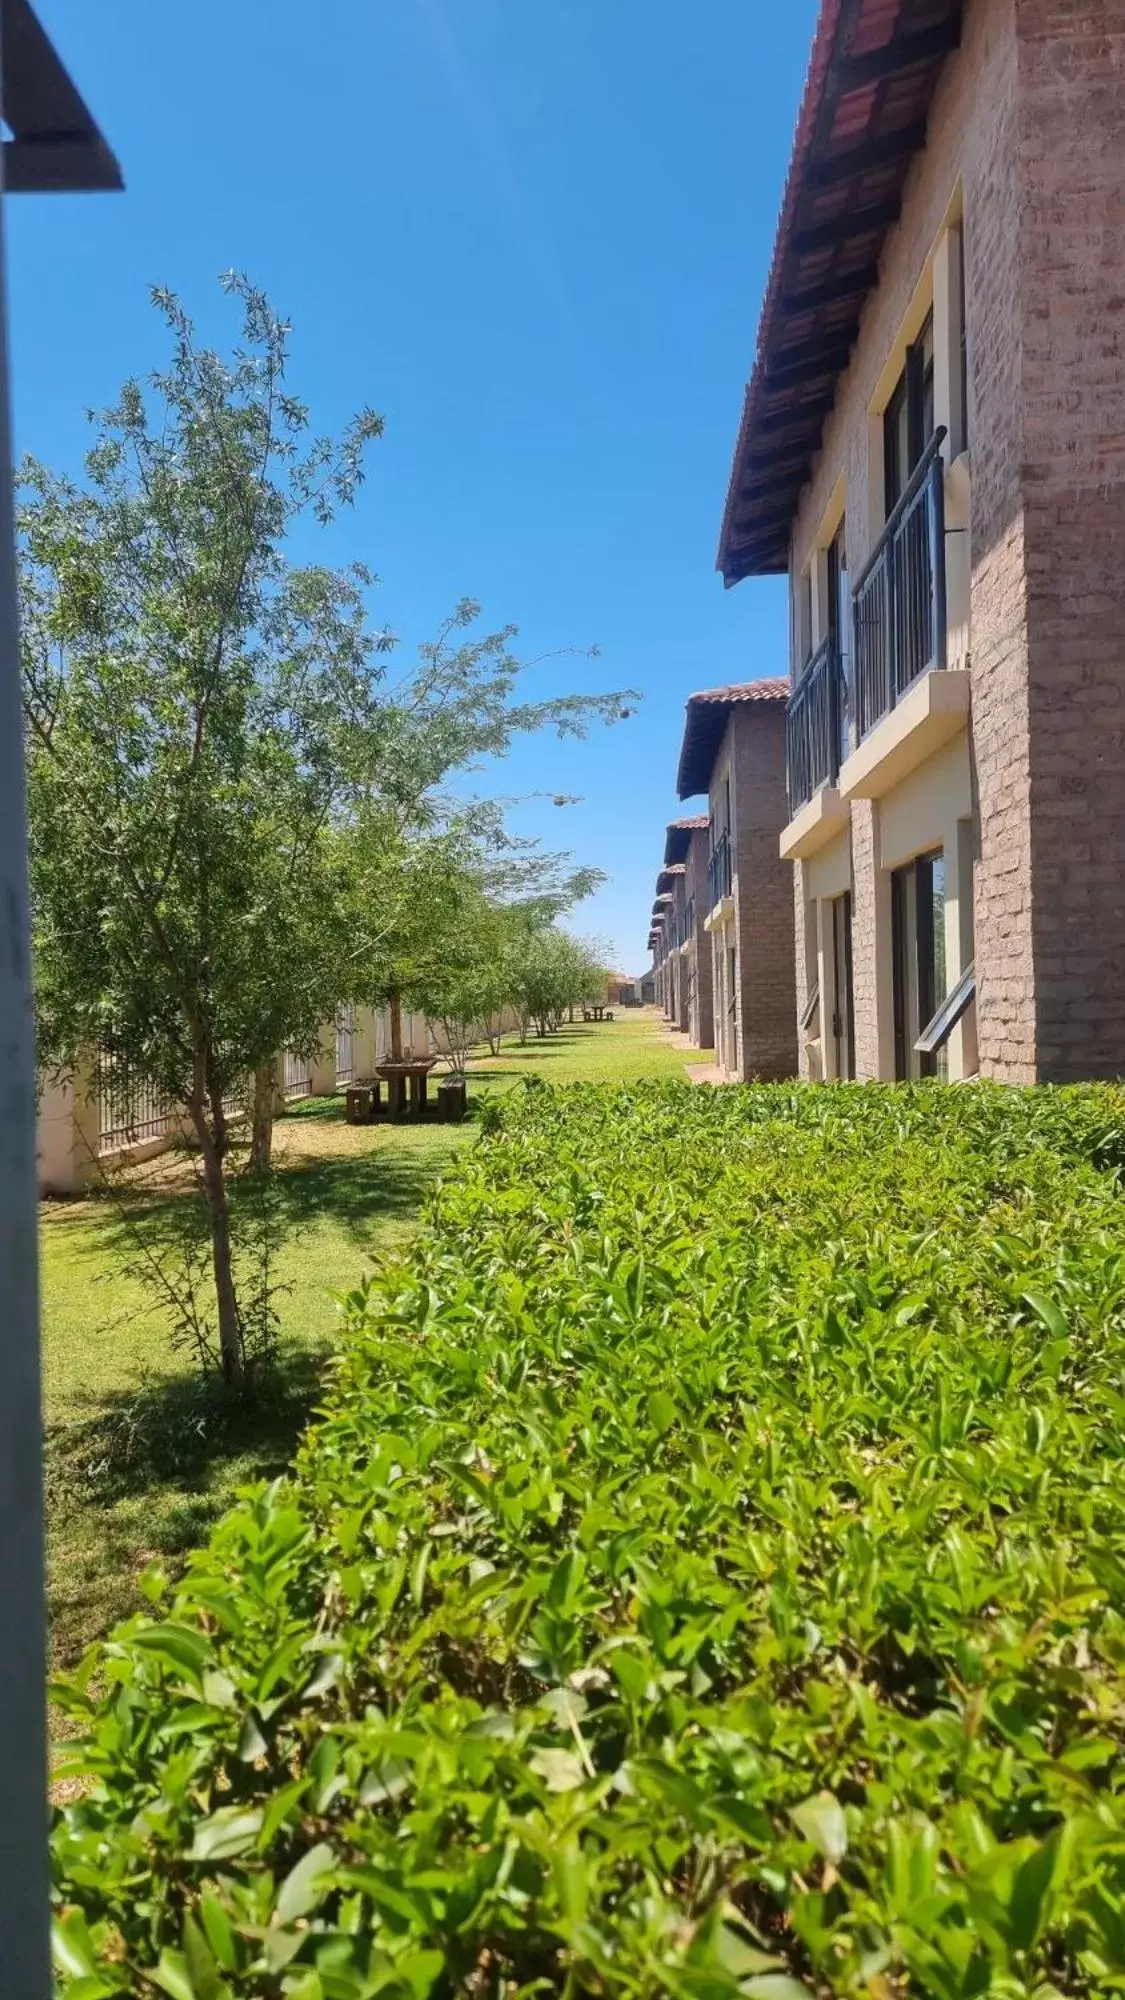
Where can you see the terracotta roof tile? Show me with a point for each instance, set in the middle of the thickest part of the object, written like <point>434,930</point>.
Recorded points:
<point>705,721</point>
<point>871,78</point>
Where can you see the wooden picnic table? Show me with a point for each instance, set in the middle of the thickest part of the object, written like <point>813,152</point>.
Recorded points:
<point>597,1013</point>
<point>408,1073</point>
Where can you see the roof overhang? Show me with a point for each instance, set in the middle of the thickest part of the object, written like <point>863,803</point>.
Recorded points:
<point>705,720</point>
<point>874,68</point>
<point>677,842</point>
<point>55,146</point>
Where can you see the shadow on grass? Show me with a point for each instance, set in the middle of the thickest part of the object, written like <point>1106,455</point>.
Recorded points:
<point>184,1431</point>
<point>360,1193</point>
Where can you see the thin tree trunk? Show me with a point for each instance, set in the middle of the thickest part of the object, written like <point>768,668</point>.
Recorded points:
<point>211,1135</point>
<point>261,1117</point>
<point>395,1004</point>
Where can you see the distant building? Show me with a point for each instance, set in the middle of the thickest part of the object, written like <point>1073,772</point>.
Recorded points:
<point>734,751</point>
<point>686,854</point>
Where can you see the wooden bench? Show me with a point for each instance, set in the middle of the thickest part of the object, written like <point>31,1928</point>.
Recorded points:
<point>362,1101</point>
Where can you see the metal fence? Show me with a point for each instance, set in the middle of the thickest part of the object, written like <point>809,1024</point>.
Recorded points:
<point>719,871</point>
<point>345,1045</point>
<point>899,601</point>
<point>297,1076</point>
<point>812,727</point>
<point>128,1111</point>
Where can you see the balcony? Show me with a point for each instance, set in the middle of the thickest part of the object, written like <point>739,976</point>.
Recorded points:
<point>898,605</point>
<point>719,878</point>
<point>813,731</point>
<point>812,727</point>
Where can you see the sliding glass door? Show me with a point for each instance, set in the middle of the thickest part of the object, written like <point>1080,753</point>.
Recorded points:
<point>843,1018</point>
<point>918,940</point>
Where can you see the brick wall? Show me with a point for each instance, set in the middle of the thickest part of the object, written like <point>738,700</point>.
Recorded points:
<point>720,940</point>
<point>763,893</point>
<point>1071,121</point>
<point>974,139</point>
<point>703,1022</point>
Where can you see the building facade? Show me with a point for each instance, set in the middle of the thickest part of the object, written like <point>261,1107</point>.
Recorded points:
<point>734,751</point>
<point>686,848</point>
<point>933,447</point>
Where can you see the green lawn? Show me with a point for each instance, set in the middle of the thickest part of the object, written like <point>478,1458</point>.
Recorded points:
<point>139,1459</point>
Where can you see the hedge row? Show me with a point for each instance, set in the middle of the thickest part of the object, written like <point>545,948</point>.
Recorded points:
<point>707,1580</point>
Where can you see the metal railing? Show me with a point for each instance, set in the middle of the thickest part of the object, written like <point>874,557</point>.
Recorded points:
<point>297,1076</point>
<point>687,921</point>
<point>813,727</point>
<point>345,1045</point>
<point>128,1111</point>
<point>898,605</point>
<point>719,871</point>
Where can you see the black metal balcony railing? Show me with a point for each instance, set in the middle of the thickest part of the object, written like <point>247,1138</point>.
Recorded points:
<point>813,727</point>
<point>719,871</point>
<point>898,605</point>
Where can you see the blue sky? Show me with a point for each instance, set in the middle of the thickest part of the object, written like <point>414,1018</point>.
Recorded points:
<point>534,234</point>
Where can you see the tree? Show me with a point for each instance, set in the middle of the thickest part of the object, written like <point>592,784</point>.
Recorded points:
<point>234,829</point>
<point>557,971</point>
<point>420,855</point>
<point>186,690</point>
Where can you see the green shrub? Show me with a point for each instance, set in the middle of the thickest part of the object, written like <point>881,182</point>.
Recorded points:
<point>707,1580</point>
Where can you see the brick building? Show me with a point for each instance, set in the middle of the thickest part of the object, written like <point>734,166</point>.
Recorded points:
<point>687,849</point>
<point>933,447</point>
<point>734,751</point>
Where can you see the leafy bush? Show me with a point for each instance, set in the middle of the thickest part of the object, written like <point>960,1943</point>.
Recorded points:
<point>707,1580</point>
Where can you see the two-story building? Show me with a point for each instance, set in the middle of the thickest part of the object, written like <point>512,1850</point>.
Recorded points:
<point>687,847</point>
<point>660,944</point>
<point>671,883</point>
<point>933,448</point>
<point>733,750</point>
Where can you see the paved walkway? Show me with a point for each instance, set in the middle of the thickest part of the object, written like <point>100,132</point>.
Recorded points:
<point>696,1072</point>
<point>705,1073</point>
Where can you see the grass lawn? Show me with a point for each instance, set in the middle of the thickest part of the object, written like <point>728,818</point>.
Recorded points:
<point>139,1459</point>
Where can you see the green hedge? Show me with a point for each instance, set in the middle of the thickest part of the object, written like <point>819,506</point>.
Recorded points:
<point>707,1580</point>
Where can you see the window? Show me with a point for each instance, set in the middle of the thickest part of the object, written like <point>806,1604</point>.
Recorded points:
<point>918,951</point>
<point>937,1031</point>
<point>843,1013</point>
<point>839,622</point>
<point>802,623</point>
<point>908,421</point>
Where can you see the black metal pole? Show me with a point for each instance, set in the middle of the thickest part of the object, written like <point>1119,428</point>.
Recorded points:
<point>24,1928</point>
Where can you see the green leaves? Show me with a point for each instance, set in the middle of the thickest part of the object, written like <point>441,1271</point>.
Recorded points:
<point>705,1581</point>
<point>821,1820</point>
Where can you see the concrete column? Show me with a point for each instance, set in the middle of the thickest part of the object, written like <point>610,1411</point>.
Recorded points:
<point>322,1069</point>
<point>949,407</point>
<point>363,1041</point>
<point>67,1133</point>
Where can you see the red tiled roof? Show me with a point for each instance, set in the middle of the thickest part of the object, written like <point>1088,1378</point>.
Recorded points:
<point>678,837</point>
<point>872,74</point>
<point>705,721</point>
<point>771,688</point>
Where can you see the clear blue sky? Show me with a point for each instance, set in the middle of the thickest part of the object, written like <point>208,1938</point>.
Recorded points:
<point>534,234</point>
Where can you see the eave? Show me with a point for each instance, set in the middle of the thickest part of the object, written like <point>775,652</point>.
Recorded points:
<point>872,75</point>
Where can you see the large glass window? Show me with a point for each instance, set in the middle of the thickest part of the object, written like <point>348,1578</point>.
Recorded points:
<point>839,623</point>
<point>908,421</point>
<point>918,945</point>
<point>843,1014</point>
